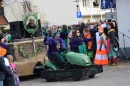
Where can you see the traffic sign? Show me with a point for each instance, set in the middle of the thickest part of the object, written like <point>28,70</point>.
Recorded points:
<point>105,4</point>
<point>78,14</point>
<point>110,15</point>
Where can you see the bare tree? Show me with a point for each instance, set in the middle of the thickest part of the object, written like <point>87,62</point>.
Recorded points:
<point>15,9</point>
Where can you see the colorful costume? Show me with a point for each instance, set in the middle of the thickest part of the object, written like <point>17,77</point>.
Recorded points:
<point>76,45</point>
<point>89,44</point>
<point>64,36</point>
<point>101,54</point>
<point>53,52</point>
<point>112,45</point>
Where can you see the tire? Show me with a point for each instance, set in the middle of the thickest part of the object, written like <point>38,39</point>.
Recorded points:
<point>76,79</point>
<point>49,79</point>
<point>91,76</point>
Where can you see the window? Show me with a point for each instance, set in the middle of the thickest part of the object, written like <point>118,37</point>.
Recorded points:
<point>86,3</point>
<point>96,3</point>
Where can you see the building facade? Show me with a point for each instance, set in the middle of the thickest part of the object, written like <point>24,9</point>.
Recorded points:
<point>90,10</point>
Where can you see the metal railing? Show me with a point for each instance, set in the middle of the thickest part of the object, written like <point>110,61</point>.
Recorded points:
<point>124,48</point>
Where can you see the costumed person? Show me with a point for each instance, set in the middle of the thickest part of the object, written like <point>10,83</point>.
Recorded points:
<point>81,28</point>
<point>70,34</point>
<point>31,22</point>
<point>87,35</point>
<point>56,46</point>
<point>14,70</point>
<point>64,35</point>
<point>101,54</point>
<point>76,43</point>
<point>44,31</point>
<point>112,45</point>
<point>54,29</point>
<point>8,38</point>
<point>48,34</point>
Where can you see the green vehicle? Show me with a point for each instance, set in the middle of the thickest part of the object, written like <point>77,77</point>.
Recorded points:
<point>79,66</point>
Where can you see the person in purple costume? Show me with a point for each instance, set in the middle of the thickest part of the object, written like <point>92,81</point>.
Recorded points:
<point>56,45</point>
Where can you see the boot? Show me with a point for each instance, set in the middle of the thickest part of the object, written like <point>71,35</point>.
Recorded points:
<point>115,63</point>
<point>110,61</point>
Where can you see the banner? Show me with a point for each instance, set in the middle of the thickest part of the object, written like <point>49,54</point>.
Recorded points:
<point>30,23</point>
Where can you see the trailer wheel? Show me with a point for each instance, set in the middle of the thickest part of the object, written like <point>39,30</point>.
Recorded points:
<point>91,76</point>
<point>76,79</point>
<point>49,79</point>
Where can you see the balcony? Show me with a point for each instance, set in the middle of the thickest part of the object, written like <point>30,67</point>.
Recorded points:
<point>92,11</point>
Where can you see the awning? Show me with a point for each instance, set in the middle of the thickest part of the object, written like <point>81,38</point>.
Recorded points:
<point>3,20</point>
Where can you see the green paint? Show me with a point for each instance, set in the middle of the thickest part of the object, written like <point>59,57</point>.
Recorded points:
<point>51,65</point>
<point>60,74</point>
<point>78,59</point>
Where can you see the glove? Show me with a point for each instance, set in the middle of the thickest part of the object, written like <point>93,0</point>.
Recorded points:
<point>115,46</point>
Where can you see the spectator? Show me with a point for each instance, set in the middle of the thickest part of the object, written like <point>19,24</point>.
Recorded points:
<point>87,35</point>
<point>112,45</point>
<point>64,35</point>
<point>76,42</point>
<point>43,31</point>
<point>14,70</point>
<point>70,34</point>
<point>8,38</point>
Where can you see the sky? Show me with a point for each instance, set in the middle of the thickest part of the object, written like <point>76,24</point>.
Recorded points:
<point>58,11</point>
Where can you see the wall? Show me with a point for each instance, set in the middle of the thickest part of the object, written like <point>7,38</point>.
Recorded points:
<point>123,17</point>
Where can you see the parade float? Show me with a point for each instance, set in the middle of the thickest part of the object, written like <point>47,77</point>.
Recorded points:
<point>28,53</point>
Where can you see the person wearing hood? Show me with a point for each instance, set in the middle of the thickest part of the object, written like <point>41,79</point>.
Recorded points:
<point>64,35</point>
<point>56,46</point>
<point>112,45</point>
<point>77,42</point>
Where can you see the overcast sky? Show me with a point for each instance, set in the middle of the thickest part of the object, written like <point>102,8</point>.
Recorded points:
<point>58,11</point>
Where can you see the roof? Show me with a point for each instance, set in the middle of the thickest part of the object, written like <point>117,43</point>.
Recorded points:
<point>3,20</point>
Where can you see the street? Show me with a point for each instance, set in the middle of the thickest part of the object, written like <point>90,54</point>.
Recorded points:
<point>112,76</point>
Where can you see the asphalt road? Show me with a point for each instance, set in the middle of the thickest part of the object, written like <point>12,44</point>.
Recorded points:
<point>112,76</point>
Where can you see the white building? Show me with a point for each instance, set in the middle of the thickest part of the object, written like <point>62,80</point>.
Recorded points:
<point>91,12</point>
<point>123,19</point>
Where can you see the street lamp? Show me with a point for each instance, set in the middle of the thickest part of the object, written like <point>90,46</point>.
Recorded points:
<point>77,4</point>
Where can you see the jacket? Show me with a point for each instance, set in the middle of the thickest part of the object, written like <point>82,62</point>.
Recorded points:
<point>4,69</point>
<point>51,42</point>
<point>112,36</point>
<point>89,44</point>
<point>64,34</point>
<point>75,43</point>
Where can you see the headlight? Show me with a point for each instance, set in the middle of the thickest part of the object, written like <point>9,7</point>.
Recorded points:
<point>85,60</point>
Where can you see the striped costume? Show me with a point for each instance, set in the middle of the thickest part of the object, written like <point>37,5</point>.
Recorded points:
<point>101,55</point>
